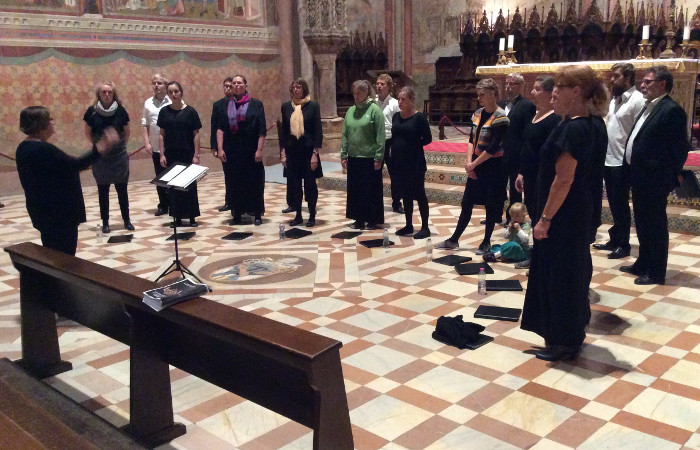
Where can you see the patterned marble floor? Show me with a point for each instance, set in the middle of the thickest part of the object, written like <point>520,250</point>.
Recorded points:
<point>636,384</point>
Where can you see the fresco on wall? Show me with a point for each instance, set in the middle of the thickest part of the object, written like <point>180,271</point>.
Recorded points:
<point>364,16</point>
<point>206,10</point>
<point>48,6</point>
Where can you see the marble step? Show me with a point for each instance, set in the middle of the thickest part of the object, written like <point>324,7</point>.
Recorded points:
<point>683,216</point>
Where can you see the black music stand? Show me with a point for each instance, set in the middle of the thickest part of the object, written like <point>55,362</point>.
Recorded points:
<point>169,180</point>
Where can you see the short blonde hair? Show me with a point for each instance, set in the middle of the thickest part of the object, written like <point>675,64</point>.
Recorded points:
<point>518,209</point>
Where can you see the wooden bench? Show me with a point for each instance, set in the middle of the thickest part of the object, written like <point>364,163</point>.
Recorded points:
<point>291,371</point>
<point>33,416</point>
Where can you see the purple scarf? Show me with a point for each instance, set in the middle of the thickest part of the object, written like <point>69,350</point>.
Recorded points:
<point>237,111</point>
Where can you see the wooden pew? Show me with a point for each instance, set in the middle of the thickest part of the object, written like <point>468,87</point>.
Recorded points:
<point>291,371</point>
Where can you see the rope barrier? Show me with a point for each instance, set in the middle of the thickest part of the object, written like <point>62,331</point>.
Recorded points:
<point>6,156</point>
<point>445,118</point>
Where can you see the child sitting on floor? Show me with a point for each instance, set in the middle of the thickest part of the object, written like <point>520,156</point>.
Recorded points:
<point>518,234</point>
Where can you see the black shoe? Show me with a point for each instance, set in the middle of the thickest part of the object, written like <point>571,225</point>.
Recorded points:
<point>505,223</point>
<point>631,269</point>
<point>176,223</point>
<point>489,257</point>
<point>236,221</point>
<point>160,211</point>
<point>357,225</point>
<point>226,207</point>
<point>296,221</point>
<point>128,225</point>
<point>288,209</point>
<point>371,226</point>
<point>193,223</point>
<point>258,221</point>
<point>608,246</point>
<point>311,222</point>
<point>483,248</point>
<point>422,233</point>
<point>646,279</point>
<point>398,210</point>
<point>558,353</point>
<point>483,222</point>
<point>405,231</point>
<point>105,229</point>
<point>619,252</point>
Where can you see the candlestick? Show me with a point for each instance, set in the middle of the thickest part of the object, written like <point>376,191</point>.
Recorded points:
<point>502,44</point>
<point>511,41</point>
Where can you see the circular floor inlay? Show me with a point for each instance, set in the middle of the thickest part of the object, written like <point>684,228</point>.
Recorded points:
<point>267,269</point>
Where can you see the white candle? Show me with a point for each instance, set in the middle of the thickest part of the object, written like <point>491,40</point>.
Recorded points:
<point>645,33</point>
<point>511,41</point>
<point>686,34</point>
<point>502,44</point>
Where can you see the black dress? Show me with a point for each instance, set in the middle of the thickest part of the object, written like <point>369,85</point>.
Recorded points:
<point>534,136</point>
<point>114,167</point>
<point>299,153</point>
<point>178,147</point>
<point>51,182</point>
<point>408,158</point>
<point>556,302</point>
<point>247,176</point>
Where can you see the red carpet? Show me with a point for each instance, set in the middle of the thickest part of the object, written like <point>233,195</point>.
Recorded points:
<point>446,147</point>
<point>693,160</point>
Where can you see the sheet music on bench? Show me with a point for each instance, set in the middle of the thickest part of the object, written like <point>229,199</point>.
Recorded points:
<point>180,176</point>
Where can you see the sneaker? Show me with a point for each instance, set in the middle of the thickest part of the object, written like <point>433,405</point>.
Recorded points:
<point>523,264</point>
<point>422,234</point>
<point>489,257</point>
<point>405,231</point>
<point>483,248</point>
<point>447,245</point>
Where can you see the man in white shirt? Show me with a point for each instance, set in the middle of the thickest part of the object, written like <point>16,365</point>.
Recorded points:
<point>626,104</point>
<point>151,132</point>
<point>389,106</point>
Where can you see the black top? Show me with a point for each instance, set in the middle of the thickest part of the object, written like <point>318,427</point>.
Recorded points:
<point>244,143</point>
<point>521,113</point>
<point>51,182</point>
<point>409,137</point>
<point>98,123</point>
<point>533,138</point>
<point>179,127</point>
<point>313,132</point>
<point>582,138</point>
<point>217,109</point>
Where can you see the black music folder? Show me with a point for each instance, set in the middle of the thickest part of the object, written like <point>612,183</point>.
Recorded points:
<point>473,268</point>
<point>497,313</point>
<point>503,285</point>
<point>452,260</point>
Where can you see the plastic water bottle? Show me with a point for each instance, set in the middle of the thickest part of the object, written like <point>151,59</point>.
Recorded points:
<point>428,249</point>
<point>385,240</point>
<point>98,234</point>
<point>281,231</point>
<point>482,282</point>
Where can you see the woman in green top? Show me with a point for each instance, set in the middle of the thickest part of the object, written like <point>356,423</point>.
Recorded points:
<point>362,153</point>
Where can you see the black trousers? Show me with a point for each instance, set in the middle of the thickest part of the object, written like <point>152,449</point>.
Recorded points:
<point>651,222</point>
<point>513,195</point>
<point>395,193</point>
<point>122,196</point>
<point>63,238</point>
<point>295,195</point>
<point>227,183</point>
<point>617,187</point>
<point>162,192</point>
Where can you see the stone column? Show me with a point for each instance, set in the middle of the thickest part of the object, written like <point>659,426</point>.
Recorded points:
<point>326,33</point>
<point>407,37</point>
<point>285,26</point>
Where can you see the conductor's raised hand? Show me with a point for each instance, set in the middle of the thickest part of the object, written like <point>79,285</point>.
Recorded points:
<point>110,139</point>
